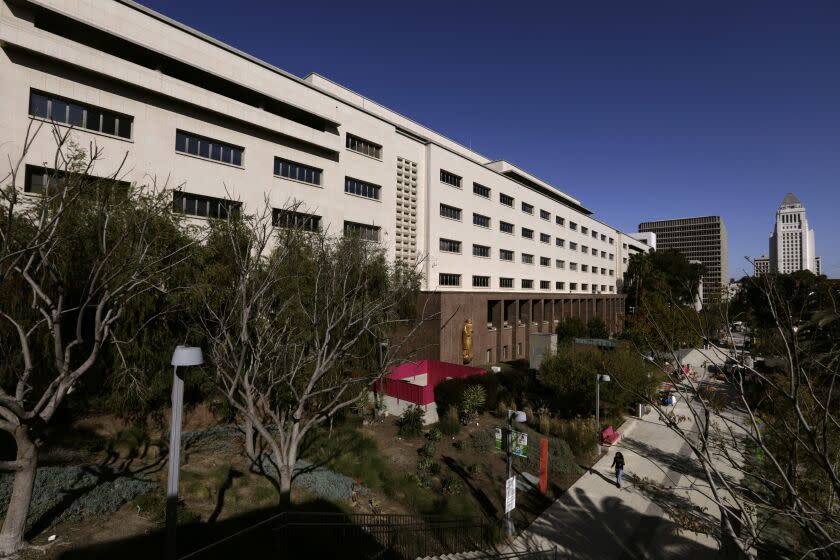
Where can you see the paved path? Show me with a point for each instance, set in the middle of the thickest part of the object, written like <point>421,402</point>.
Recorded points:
<point>596,520</point>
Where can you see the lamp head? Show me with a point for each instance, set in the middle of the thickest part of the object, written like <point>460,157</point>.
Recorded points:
<point>604,377</point>
<point>517,416</point>
<point>187,356</point>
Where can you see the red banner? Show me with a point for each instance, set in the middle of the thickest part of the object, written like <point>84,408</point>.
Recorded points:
<point>543,465</point>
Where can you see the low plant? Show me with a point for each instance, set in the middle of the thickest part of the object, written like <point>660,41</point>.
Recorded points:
<point>424,464</point>
<point>410,422</point>
<point>450,423</point>
<point>428,450</point>
<point>472,402</point>
<point>434,434</point>
<point>483,441</point>
<point>576,432</point>
<point>459,444</point>
<point>451,486</point>
<point>475,469</point>
<point>434,468</point>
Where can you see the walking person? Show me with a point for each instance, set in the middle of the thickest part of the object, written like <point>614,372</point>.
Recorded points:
<point>618,463</point>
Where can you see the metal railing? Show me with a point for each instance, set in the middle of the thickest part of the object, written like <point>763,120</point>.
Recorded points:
<point>356,536</point>
<point>378,536</point>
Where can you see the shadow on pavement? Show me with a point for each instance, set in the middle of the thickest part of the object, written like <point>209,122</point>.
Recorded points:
<point>608,529</point>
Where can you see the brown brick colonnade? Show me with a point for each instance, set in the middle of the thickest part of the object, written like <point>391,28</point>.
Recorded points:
<point>502,321</point>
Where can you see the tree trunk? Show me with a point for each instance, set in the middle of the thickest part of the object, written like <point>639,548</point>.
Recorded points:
<point>287,470</point>
<point>249,440</point>
<point>14,525</point>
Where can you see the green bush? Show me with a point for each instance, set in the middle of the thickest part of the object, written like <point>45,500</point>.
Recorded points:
<point>472,402</point>
<point>475,469</point>
<point>459,444</point>
<point>483,441</point>
<point>577,432</point>
<point>451,486</point>
<point>561,460</point>
<point>424,464</point>
<point>434,434</point>
<point>428,450</point>
<point>449,423</point>
<point>410,422</point>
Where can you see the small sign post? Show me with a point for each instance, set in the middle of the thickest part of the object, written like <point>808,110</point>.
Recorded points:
<point>510,494</point>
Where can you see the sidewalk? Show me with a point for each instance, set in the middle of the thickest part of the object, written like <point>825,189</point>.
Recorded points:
<point>596,520</point>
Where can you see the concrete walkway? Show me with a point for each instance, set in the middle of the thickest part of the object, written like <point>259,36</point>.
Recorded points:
<point>596,520</point>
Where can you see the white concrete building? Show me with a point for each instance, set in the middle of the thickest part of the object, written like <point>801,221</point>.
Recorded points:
<point>232,130</point>
<point>792,245</point>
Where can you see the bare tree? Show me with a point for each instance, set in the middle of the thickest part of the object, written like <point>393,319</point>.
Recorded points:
<point>766,439</point>
<point>297,324</point>
<point>74,253</point>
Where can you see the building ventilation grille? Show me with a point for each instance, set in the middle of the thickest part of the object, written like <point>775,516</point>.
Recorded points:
<point>406,230</point>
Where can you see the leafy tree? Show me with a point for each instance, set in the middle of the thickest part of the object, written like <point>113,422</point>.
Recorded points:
<point>571,328</point>
<point>597,328</point>
<point>665,272</point>
<point>298,323</point>
<point>73,262</point>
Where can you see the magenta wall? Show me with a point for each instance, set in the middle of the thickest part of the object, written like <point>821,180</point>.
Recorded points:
<point>394,386</point>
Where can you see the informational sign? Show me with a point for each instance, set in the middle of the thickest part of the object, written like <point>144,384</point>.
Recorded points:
<point>510,494</point>
<point>519,442</point>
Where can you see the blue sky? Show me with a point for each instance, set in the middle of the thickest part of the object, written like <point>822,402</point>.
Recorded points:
<point>643,110</point>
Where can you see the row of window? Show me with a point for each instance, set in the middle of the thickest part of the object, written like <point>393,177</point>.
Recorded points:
<point>454,280</point>
<point>212,207</point>
<point>454,180</point>
<point>453,213</point>
<point>454,246</point>
<point>82,115</point>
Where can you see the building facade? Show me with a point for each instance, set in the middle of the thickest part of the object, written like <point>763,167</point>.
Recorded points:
<point>792,244</point>
<point>701,239</point>
<point>165,101</point>
<point>761,265</point>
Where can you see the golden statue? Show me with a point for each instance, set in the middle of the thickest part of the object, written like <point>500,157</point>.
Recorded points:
<point>466,341</point>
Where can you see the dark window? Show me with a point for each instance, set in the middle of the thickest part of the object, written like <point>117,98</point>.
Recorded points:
<point>450,178</point>
<point>584,230</point>
<point>481,190</point>
<point>560,263</point>
<point>207,148</point>
<point>38,179</point>
<point>450,212</point>
<point>527,259</point>
<point>80,115</point>
<point>527,233</point>
<point>506,200</point>
<point>573,226</point>
<point>363,146</point>
<point>450,245</point>
<point>481,220</point>
<point>559,242</point>
<point>545,238</point>
<point>573,286</point>
<point>527,208</point>
<point>506,282</point>
<point>38,105</point>
<point>449,279</point>
<point>572,245</point>
<point>505,255</point>
<point>481,282</point>
<point>560,221</point>
<point>296,220</point>
<point>364,231</point>
<point>361,188</point>
<point>545,285</point>
<point>506,227</point>
<point>204,206</point>
<point>560,285</point>
<point>297,171</point>
<point>545,261</point>
<point>545,215</point>
<point>527,284</point>
<point>481,251</point>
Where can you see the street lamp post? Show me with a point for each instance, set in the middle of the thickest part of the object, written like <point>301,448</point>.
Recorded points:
<point>512,416</point>
<point>598,379</point>
<point>183,356</point>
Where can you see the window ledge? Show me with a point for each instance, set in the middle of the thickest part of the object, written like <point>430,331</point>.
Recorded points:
<point>298,181</point>
<point>364,197</point>
<point>361,154</point>
<point>453,186</point>
<point>80,129</point>
<point>202,158</point>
